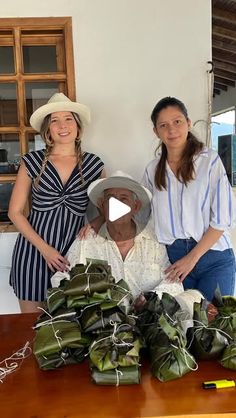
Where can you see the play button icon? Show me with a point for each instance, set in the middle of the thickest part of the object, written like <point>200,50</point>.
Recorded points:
<point>124,203</point>
<point>117,209</point>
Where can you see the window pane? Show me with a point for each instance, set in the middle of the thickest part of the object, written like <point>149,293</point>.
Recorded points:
<point>33,62</point>
<point>37,94</point>
<point>222,124</point>
<point>35,142</point>
<point>6,60</point>
<point>9,153</point>
<point>5,194</point>
<point>8,104</point>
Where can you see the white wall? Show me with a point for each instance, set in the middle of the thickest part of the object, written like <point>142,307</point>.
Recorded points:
<point>128,54</point>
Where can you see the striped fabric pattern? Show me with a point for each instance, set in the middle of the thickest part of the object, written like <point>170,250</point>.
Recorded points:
<point>57,214</point>
<point>187,211</point>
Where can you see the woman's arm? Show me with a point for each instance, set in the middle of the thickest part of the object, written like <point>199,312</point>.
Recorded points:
<point>181,268</point>
<point>19,198</point>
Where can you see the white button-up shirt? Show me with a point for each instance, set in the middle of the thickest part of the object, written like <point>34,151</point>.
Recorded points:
<point>142,269</point>
<point>187,211</point>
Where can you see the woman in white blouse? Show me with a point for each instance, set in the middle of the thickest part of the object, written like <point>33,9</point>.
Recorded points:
<point>193,204</point>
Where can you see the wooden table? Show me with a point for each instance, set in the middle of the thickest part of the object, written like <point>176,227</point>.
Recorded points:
<point>69,393</point>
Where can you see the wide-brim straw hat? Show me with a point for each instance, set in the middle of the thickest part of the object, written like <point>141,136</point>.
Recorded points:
<point>118,180</point>
<point>57,103</point>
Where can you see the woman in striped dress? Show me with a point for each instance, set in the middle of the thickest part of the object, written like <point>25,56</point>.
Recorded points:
<point>193,204</point>
<point>57,178</point>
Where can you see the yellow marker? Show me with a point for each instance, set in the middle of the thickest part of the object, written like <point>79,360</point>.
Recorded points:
<point>219,384</point>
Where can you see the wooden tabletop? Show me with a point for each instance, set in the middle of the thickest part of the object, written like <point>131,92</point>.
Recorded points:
<point>69,393</point>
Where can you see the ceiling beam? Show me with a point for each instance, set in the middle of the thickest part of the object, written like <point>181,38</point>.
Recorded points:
<point>226,57</point>
<point>220,86</point>
<point>224,81</point>
<point>226,33</point>
<point>224,66</point>
<point>225,74</point>
<point>224,15</point>
<point>224,46</point>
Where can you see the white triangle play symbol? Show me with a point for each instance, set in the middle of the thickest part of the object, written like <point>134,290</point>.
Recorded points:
<point>117,209</point>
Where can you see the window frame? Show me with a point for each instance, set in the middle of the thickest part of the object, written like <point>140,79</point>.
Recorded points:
<point>26,31</point>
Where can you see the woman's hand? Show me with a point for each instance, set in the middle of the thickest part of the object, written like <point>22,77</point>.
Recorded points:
<point>93,227</point>
<point>85,231</point>
<point>54,260</point>
<point>177,271</point>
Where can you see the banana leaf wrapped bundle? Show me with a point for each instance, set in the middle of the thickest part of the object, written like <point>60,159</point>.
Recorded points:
<point>120,376</point>
<point>55,299</point>
<point>94,318</point>
<point>62,358</point>
<point>117,294</point>
<point>169,357</point>
<point>118,349</point>
<point>61,314</point>
<point>228,359</point>
<point>79,301</point>
<point>205,341</point>
<point>148,319</point>
<point>54,338</point>
<point>121,294</point>
<point>90,278</point>
<point>225,320</point>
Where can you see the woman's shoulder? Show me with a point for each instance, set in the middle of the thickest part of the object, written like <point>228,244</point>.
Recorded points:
<point>34,155</point>
<point>151,166</point>
<point>89,157</point>
<point>208,154</point>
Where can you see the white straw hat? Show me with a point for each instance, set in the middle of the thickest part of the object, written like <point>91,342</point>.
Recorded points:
<point>118,180</point>
<point>59,102</point>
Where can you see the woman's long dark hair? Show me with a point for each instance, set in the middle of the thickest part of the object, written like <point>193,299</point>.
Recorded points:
<point>185,172</point>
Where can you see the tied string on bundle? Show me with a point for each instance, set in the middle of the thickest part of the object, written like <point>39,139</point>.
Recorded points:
<point>51,322</point>
<point>128,293</point>
<point>201,326</point>
<point>118,372</point>
<point>88,274</point>
<point>182,349</point>
<point>12,363</point>
<point>53,318</point>
<point>87,288</point>
<point>187,354</point>
<point>169,357</point>
<point>112,337</point>
<point>53,294</point>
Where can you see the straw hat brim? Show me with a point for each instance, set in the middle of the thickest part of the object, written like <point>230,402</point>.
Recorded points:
<point>38,116</point>
<point>97,187</point>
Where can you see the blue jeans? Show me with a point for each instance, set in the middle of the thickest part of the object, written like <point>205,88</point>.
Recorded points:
<point>215,268</point>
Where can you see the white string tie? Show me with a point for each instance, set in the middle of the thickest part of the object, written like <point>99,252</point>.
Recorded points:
<point>187,354</point>
<point>53,294</point>
<point>210,328</point>
<point>10,364</point>
<point>118,372</point>
<point>87,288</point>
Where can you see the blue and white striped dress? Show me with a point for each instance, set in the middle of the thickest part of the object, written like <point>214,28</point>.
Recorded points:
<point>57,214</point>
